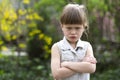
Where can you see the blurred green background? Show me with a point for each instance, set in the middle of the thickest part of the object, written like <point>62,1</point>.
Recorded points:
<point>28,28</point>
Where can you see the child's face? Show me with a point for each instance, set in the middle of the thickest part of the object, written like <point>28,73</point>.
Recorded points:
<point>72,32</point>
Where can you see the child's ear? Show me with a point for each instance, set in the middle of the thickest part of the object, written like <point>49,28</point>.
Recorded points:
<point>85,28</point>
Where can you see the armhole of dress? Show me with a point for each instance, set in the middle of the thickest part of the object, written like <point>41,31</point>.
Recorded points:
<point>88,44</point>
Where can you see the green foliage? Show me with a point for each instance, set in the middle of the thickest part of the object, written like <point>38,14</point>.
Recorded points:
<point>14,68</point>
<point>110,74</point>
<point>19,26</point>
<point>98,4</point>
<point>39,46</point>
<point>14,22</point>
<point>50,11</point>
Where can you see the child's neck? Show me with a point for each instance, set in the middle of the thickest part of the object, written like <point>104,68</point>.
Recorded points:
<point>73,45</point>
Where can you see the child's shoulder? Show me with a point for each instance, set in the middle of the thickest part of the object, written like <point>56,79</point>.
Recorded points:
<point>83,41</point>
<point>58,43</point>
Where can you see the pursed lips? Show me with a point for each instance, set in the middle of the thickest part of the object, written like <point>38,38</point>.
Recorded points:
<point>73,37</point>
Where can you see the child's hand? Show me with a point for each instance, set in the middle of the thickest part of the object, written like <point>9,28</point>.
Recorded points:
<point>90,59</point>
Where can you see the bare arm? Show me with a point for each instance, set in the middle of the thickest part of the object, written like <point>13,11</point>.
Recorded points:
<point>88,65</point>
<point>58,71</point>
<point>80,67</point>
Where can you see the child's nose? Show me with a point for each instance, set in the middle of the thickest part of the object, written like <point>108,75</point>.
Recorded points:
<point>73,31</point>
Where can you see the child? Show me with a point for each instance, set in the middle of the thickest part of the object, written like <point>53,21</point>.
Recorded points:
<point>72,58</point>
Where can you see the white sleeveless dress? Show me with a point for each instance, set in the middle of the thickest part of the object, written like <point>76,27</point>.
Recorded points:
<point>67,53</point>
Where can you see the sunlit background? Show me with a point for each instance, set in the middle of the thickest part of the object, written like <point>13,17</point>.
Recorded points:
<point>28,28</point>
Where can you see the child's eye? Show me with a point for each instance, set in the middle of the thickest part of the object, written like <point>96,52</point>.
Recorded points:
<point>78,28</point>
<point>69,28</point>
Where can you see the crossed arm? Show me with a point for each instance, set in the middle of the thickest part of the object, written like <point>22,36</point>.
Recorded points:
<point>66,69</point>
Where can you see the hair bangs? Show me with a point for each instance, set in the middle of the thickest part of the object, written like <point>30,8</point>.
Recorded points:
<point>72,17</point>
